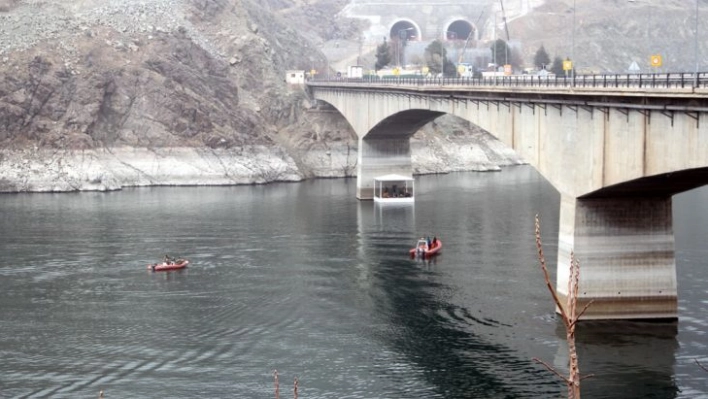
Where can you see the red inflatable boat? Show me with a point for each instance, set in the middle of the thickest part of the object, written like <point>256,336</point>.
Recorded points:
<point>161,267</point>
<point>422,250</point>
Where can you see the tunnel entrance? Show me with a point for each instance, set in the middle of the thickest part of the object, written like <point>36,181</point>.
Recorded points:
<point>404,31</point>
<point>460,30</point>
<point>401,33</point>
<point>461,38</point>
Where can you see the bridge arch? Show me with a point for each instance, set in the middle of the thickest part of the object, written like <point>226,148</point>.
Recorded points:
<point>616,161</point>
<point>402,124</point>
<point>662,185</point>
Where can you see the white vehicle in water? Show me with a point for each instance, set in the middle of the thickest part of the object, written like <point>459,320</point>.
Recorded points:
<point>393,189</point>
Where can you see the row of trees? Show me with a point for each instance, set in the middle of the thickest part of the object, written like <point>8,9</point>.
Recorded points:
<point>541,60</point>
<point>389,53</point>
<point>435,57</point>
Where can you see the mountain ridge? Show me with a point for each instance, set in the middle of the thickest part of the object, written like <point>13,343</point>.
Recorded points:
<point>99,97</point>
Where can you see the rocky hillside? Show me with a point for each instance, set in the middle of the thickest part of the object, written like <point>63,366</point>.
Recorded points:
<point>142,73</point>
<point>98,95</point>
<point>610,34</point>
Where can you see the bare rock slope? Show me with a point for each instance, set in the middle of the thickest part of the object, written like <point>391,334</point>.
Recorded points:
<point>99,95</point>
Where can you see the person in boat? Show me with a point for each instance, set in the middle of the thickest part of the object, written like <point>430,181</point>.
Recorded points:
<point>435,242</point>
<point>168,260</point>
<point>430,243</point>
<point>422,245</point>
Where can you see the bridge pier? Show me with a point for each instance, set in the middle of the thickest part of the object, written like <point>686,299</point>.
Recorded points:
<point>625,247</point>
<point>381,156</point>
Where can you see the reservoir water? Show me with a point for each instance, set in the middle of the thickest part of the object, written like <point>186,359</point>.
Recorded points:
<point>306,280</point>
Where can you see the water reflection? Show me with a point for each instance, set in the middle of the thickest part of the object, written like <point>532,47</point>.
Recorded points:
<point>619,352</point>
<point>451,344</point>
<point>394,217</point>
<point>385,226</point>
<point>306,279</point>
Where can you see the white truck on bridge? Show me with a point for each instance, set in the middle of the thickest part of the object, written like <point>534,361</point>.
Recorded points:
<point>355,72</point>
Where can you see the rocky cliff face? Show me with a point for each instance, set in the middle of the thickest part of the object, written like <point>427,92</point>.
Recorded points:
<point>607,36</point>
<point>99,95</point>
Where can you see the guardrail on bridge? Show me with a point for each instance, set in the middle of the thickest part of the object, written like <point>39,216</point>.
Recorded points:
<point>654,80</point>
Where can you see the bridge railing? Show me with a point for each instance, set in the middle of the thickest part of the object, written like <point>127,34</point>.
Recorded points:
<point>653,81</point>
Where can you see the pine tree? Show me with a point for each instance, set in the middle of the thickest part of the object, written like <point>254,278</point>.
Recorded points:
<point>542,60</point>
<point>383,55</point>
<point>500,52</point>
<point>433,59</point>
<point>557,66</point>
<point>517,59</point>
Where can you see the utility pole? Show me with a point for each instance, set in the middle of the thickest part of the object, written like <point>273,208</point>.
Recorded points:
<point>494,47</point>
<point>442,55</point>
<point>506,28</point>
<point>572,51</point>
<point>695,45</point>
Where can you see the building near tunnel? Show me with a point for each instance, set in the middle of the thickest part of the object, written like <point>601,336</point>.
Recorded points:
<point>471,21</point>
<point>466,30</point>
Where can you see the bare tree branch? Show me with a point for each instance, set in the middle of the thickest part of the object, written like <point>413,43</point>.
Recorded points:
<point>277,385</point>
<point>551,369</point>
<point>542,260</point>
<point>569,315</point>
<point>701,366</point>
<point>582,312</point>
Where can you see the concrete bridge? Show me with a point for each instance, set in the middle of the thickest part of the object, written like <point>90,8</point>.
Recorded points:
<point>617,148</point>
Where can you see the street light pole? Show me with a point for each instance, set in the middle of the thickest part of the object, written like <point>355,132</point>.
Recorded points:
<point>649,23</point>
<point>695,45</point>
<point>442,55</point>
<point>572,50</point>
<point>494,45</point>
<point>400,51</point>
<point>397,58</point>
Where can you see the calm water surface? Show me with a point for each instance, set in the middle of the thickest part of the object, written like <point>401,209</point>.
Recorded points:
<point>305,279</point>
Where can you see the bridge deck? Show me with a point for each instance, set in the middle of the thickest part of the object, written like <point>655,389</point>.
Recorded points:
<point>688,92</point>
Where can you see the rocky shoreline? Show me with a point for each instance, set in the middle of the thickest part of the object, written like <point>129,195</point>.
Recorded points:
<point>105,169</point>
<point>43,170</point>
<point>97,97</point>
